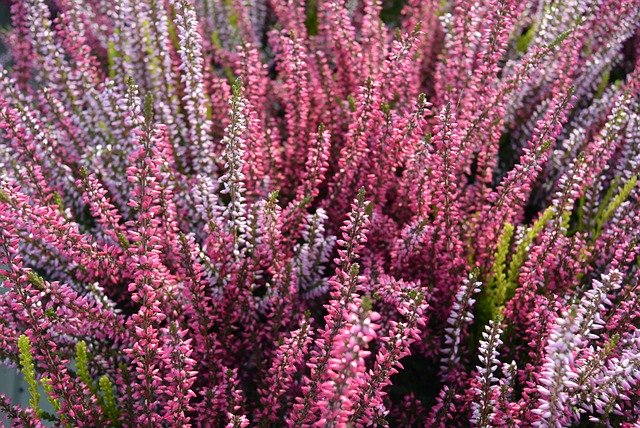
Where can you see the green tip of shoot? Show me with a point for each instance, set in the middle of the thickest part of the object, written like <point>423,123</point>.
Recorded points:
<point>29,372</point>
<point>82,363</point>
<point>109,404</point>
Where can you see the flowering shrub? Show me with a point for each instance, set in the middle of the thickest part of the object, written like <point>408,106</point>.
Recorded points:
<point>289,213</point>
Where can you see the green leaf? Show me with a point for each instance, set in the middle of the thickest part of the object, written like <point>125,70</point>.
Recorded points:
<point>48,389</point>
<point>609,206</point>
<point>123,241</point>
<point>311,21</point>
<point>523,42</point>
<point>57,199</point>
<point>604,82</point>
<point>36,280</point>
<point>112,53</point>
<point>560,38</point>
<point>148,107</point>
<point>109,405</point>
<point>520,254</point>
<point>492,298</point>
<point>4,197</point>
<point>352,102</point>
<point>355,270</point>
<point>215,40</point>
<point>367,303</point>
<point>29,372</point>
<point>499,278</point>
<point>82,363</point>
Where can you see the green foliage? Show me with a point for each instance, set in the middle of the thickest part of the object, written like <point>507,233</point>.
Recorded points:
<point>520,253</point>
<point>112,53</point>
<point>236,89</point>
<point>367,303</point>
<point>228,72</point>
<point>215,40</point>
<point>355,270</point>
<point>173,34</point>
<point>368,209</point>
<point>57,199</point>
<point>352,103</point>
<point>523,42</point>
<point>233,17</point>
<point>492,298</point>
<point>4,197</point>
<point>556,42</point>
<point>604,82</point>
<point>123,241</point>
<point>29,372</point>
<point>108,399</point>
<point>611,204</point>
<point>391,12</point>
<point>153,59</point>
<point>104,392</point>
<point>580,214</point>
<point>147,108</point>
<point>36,280</point>
<point>48,389</point>
<point>499,279</point>
<point>311,21</point>
<point>82,364</point>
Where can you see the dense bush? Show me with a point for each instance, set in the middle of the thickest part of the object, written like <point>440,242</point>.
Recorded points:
<point>279,213</point>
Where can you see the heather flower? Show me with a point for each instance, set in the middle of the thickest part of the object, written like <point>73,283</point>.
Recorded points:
<point>484,409</point>
<point>192,76</point>
<point>459,318</point>
<point>321,213</point>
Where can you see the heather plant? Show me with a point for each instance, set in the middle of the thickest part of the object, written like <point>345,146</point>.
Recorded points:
<point>323,213</point>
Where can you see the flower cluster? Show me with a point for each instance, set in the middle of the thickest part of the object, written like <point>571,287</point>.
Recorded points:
<point>321,213</point>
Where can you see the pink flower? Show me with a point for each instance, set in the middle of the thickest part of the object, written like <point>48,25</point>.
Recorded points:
<point>304,213</point>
